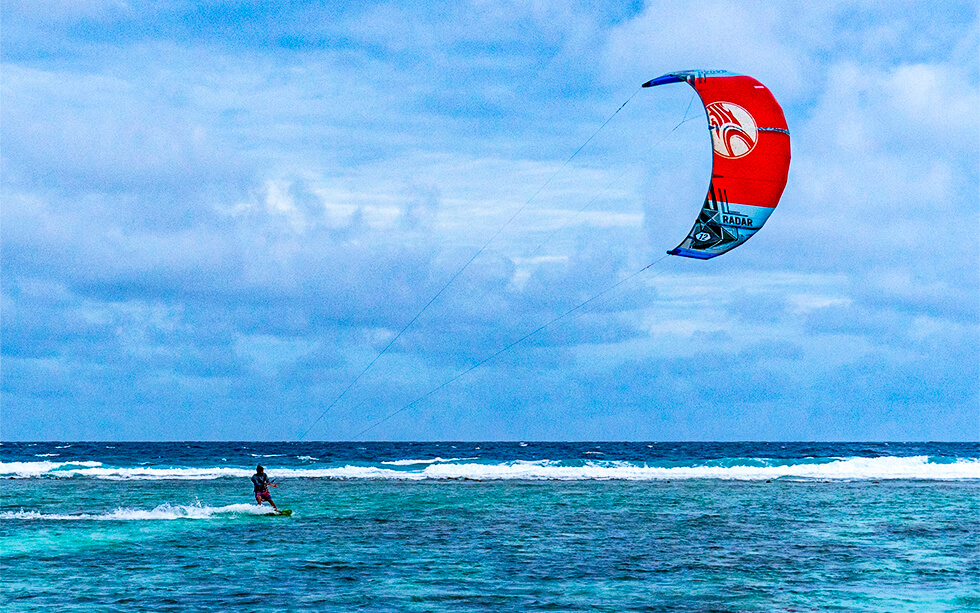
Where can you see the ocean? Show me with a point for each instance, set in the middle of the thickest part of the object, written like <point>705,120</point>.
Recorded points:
<point>464,526</point>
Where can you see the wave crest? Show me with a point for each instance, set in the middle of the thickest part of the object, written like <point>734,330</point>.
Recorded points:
<point>741,469</point>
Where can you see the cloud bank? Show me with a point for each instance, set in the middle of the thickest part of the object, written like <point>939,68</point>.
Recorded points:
<point>216,215</point>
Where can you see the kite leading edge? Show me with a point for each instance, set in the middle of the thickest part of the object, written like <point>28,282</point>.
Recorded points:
<point>750,159</point>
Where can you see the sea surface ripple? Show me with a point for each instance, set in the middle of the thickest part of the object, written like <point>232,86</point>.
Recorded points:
<point>491,526</point>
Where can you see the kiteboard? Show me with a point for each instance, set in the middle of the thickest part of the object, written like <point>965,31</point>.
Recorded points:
<point>283,512</point>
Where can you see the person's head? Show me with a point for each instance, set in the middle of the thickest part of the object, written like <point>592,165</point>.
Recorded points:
<point>259,469</point>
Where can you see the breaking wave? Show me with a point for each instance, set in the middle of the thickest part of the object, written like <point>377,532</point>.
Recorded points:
<point>430,461</point>
<point>740,469</point>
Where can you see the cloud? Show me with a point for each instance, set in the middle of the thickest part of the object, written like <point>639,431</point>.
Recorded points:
<point>212,212</point>
<point>749,37</point>
<point>100,132</point>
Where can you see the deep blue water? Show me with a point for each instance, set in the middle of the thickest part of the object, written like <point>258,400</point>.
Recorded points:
<point>491,526</point>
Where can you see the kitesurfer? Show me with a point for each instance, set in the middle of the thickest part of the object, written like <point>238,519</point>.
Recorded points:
<point>262,482</point>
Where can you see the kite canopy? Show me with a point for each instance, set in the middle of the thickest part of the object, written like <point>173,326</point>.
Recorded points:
<point>749,164</point>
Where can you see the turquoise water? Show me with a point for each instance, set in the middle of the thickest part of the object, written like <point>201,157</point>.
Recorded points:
<point>188,537</point>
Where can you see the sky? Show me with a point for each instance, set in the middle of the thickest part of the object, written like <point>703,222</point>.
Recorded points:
<point>216,215</point>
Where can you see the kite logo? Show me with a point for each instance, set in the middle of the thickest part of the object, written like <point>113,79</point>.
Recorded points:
<point>733,130</point>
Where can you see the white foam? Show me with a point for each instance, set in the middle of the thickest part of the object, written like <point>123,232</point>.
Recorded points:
<point>35,469</point>
<point>849,469</point>
<point>165,511</point>
<point>852,469</point>
<point>156,474</point>
<point>882,468</point>
<point>98,470</point>
<point>430,461</point>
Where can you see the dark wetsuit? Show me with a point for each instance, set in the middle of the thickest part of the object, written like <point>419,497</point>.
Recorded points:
<point>261,483</point>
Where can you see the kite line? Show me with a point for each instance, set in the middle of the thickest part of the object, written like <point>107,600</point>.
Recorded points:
<point>463,268</point>
<point>459,375</point>
<point>609,185</point>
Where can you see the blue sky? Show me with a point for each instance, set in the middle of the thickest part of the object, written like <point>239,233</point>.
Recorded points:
<point>216,215</point>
